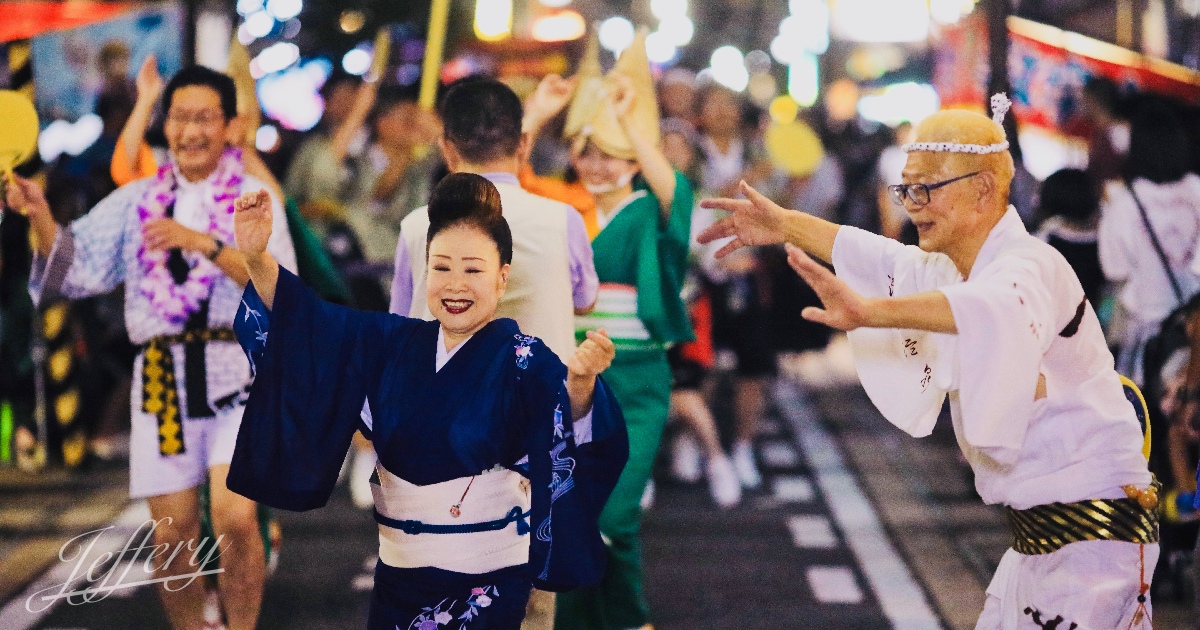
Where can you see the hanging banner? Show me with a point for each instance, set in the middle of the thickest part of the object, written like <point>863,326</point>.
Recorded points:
<point>22,19</point>
<point>1047,69</point>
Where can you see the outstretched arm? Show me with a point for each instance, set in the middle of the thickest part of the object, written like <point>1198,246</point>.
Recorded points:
<point>757,220</point>
<point>592,357</point>
<point>847,310</point>
<point>252,227</point>
<point>364,100</point>
<point>657,170</point>
<point>149,88</point>
<point>25,197</point>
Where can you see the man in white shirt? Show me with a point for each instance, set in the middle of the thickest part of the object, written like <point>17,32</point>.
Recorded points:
<point>169,239</point>
<point>995,319</point>
<point>553,276</point>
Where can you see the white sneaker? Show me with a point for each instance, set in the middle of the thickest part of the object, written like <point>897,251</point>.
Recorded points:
<point>360,479</point>
<point>723,483</point>
<point>685,458</point>
<point>648,496</point>
<point>744,464</point>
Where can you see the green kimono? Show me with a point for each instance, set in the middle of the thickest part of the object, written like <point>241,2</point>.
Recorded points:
<point>641,263</point>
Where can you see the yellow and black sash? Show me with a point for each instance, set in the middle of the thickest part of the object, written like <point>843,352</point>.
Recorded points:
<point>159,394</point>
<point>1047,528</point>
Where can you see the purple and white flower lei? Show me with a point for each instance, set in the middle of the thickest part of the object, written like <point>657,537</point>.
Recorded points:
<point>175,302</point>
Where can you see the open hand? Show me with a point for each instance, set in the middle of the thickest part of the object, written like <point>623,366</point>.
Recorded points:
<point>754,220</point>
<point>623,95</point>
<point>25,197</point>
<point>592,357</point>
<point>149,82</point>
<point>551,96</point>
<point>844,309</point>
<point>252,222</point>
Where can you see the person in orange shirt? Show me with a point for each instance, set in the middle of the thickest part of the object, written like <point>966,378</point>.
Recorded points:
<point>551,97</point>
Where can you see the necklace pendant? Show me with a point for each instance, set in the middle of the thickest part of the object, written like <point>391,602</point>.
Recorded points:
<point>454,511</point>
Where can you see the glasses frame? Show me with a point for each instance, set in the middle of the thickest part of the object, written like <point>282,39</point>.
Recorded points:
<point>919,193</point>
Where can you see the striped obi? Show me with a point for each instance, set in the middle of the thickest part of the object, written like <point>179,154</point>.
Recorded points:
<point>416,528</point>
<point>1047,528</point>
<point>617,312</point>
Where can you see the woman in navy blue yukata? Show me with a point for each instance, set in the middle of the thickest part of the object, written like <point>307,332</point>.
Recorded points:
<point>495,458</point>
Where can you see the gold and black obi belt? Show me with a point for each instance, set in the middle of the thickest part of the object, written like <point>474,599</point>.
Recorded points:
<point>1047,528</point>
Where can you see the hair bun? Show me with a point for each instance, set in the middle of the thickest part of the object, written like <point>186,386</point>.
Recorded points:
<point>469,199</point>
<point>463,196</point>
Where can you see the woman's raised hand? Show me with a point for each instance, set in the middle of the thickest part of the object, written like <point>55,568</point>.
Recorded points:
<point>252,222</point>
<point>592,357</point>
<point>754,220</point>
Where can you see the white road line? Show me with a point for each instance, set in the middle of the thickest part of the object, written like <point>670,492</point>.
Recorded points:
<point>901,598</point>
<point>15,615</point>
<point>812,532</point>
<point>792,489</point>
<point>834,585</point>
<point>777,454</point>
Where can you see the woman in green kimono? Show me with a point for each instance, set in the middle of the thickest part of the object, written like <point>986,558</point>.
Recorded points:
<point>640,242</point>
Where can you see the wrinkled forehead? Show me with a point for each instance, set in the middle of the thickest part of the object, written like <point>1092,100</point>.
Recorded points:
<point>925,166</point>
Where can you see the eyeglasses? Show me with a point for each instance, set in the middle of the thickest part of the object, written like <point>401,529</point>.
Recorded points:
<point>919,193</point>
<point>204,119</point>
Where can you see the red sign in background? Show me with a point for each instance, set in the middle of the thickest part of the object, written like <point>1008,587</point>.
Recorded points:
<point>1047,69</point>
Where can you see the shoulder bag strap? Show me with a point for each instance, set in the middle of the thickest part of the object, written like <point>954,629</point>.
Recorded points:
<point>1162,256</point>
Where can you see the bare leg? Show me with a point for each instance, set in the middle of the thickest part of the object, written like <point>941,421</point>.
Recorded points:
<point>689,405</point>
<point>236,519</point>
<point>723,483</point>
<point>748,408</point>
<point>748,401</point>
<point>178,517</point>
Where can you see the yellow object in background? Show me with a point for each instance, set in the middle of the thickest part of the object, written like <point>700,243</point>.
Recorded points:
<point>794,147</point>
<point>383,50</point>
<point>19,133</point>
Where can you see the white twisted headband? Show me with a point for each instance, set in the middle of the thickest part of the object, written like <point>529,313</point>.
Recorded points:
<point>1000,107</point>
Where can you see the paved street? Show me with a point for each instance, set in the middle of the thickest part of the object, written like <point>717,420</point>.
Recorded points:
<point>857,526</point>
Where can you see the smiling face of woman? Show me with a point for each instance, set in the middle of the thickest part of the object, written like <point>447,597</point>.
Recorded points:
<point>465,280</point>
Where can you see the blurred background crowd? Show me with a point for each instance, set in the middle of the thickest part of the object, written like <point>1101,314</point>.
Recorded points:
<point>807,100</point>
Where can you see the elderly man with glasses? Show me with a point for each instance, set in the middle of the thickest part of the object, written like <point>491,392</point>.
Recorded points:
<point>996,320</point>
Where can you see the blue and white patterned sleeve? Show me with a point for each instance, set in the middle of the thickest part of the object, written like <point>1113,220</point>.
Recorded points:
<point>88,255</point>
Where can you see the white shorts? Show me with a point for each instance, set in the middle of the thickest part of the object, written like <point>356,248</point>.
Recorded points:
<point>1091,585</point>
<point>207,442</point>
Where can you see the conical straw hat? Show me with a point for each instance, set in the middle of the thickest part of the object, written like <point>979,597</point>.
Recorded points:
<point>591,116</point>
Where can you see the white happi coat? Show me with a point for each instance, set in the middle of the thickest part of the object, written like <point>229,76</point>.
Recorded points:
<point>1020,314</point>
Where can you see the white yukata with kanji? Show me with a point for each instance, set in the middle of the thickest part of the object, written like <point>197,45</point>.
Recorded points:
<point>1021,314</point>
<point>98,252</point>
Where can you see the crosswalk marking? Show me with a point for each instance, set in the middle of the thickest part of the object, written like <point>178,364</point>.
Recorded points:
<point>779,455</point>
<point>834,585</point>
<point>901,598</point>
<point>792,489</point>
<point>812,532</point>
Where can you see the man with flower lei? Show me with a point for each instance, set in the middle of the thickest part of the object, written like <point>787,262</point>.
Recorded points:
<point>995,320</point>
<point>169,239</point>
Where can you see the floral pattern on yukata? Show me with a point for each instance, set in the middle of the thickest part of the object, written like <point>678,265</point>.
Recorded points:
<point>523,350</point>
<point>443,616</point>
<point>260,336</point>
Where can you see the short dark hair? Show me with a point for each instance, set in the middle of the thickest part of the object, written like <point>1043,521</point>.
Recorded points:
<point>1158,144</point>
<point>1069,193</point>
<point>481,118</point>
<point>468,200</point>
<point>207,77</point>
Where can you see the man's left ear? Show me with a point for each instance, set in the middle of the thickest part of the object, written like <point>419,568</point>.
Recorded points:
<point>987,185</point>
<point>504,269</point>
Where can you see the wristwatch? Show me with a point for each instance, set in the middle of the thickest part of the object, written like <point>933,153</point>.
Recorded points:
<point>216,250</point>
